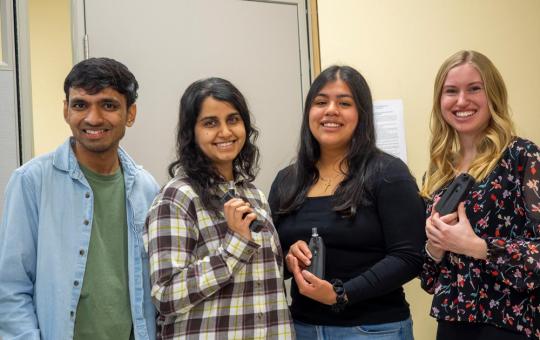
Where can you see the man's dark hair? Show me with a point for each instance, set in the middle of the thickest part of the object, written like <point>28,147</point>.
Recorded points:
<point>95,74</point>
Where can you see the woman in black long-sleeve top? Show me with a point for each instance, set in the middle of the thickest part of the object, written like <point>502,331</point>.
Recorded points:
<point>364,204</point>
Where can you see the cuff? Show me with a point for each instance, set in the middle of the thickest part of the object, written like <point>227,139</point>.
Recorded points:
<point>429,259</point>
<point>239,247</point>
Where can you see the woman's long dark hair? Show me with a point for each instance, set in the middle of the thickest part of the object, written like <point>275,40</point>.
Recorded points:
<point>354,190</point>
<point>194,163</point>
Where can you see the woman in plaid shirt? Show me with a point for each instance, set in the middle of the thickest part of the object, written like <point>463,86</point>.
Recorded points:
<point>216,263</point>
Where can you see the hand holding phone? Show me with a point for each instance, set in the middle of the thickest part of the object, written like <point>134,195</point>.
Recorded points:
<point>456,192</point>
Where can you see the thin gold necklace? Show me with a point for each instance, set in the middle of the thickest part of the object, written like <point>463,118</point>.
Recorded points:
<point>327,182</point>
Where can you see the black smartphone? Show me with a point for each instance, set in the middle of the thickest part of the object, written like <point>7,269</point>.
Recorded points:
<point>456,192</point>
<point>255,225</point>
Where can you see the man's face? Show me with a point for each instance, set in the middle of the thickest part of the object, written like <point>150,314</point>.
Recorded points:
<point>98,121</point>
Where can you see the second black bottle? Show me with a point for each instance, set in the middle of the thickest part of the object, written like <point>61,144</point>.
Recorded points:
<point>318,254</point>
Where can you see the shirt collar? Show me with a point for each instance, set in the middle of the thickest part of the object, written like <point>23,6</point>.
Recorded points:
<point>64,159</point>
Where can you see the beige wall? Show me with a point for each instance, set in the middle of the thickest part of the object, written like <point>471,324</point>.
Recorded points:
<point>50,59</point>
<point>1,56</point>
<point>399,45</point>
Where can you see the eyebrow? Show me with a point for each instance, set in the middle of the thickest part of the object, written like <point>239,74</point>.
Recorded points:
<point>469,84</point>
<point>76,97</point>
<point>215,117</point>
<point>82,99</point>
<point>339,95</point>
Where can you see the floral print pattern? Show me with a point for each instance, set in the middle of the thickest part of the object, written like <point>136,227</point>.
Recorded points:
<point>504,290</point>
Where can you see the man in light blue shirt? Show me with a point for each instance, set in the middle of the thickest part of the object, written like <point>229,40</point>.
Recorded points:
<point>72,261</point>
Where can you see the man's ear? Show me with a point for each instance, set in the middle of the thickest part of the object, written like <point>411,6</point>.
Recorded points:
<point>131,114</point>
<point>65,110</point>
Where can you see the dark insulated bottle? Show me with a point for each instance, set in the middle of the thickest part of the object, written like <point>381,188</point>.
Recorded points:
<point>318,252</point>
<point>254,226</point>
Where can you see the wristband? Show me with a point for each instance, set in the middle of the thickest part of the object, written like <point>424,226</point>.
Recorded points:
<point>341,299</point>
<point>436,259</point>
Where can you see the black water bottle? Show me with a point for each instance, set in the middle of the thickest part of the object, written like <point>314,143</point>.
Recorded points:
<point>255,225</point>
<point>318,254</point>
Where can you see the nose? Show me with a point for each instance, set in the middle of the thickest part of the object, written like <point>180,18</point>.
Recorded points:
<point>93,116</point>
<point>462,99</point>
<point>332,108</point>
<point>225,131</point>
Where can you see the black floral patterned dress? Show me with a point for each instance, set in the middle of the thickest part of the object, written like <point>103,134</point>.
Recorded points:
<point>504,209</point>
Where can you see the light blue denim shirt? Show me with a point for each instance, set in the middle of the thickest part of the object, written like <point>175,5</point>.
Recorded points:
<point>44,237</point>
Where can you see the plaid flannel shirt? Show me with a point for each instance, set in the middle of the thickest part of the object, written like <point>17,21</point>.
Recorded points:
<point>207,281</point>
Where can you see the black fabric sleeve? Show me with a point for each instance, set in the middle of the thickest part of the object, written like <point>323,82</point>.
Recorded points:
<point>274,203</point>
<point>401,213</point>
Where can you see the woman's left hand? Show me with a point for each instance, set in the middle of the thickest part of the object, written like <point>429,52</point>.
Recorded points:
<point>314,288</point>
<point>458,238</point>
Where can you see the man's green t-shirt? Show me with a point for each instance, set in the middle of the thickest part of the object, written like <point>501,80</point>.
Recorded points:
<point>103,311</point>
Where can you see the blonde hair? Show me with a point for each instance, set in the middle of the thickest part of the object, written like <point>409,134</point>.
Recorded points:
<point>444,144</point>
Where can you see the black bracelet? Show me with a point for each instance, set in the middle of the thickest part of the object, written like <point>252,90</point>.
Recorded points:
<point>341,299</point>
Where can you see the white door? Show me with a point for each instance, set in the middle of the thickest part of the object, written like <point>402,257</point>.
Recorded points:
<point>9,130</point>
<point>260,46</point>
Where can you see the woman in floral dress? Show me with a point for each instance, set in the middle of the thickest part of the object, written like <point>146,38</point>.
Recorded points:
<point>482,263</point>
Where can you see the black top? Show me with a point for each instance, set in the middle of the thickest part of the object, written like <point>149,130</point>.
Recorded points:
<point>374,253</point>
<point>504,210</point>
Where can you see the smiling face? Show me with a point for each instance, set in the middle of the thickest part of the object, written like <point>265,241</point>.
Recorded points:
<point>464,103</point>
<point>220,134</point>
<point>98,121</point>
<point>333,116</point>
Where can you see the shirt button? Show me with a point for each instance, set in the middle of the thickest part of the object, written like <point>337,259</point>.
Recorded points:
<point>260,315</point>
<point>86,222</point>
<point>72,314</point>
<point>75,283</point>
<point>81,252</point>
<point>87,195</point>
